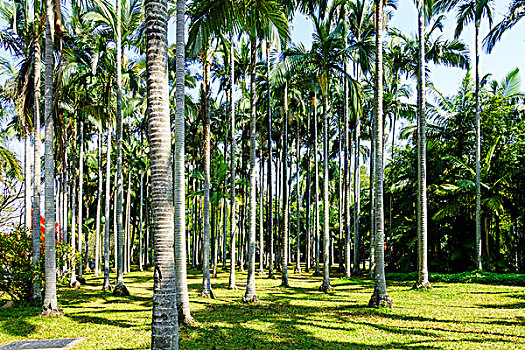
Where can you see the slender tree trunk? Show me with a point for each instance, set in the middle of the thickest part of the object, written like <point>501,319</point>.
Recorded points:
<point>347,155</point>
<point>316,154</point>
<point>99,195</point>
<point>233,223</point>
<point>120,288</point>
<point>37,283</point>
<point>380,296</point>
<point>206,283</point>
<point>261,213</point>
<point>73,282</point>
<point>284,248</point>
<point>298,243</point>
<point>250,295</point>
<point>141,260</point>
<point>27,175</point>
<point>50,306</point>
<point>80,200</point>
<point>372,198</point>
<point>308,200</point>
<point>422,281</point>
<point>270,157</point>
<point>478,155</point>
<point>165,332</point>
<point>326,287</point>
<point>357,191</point>
<point>341,203</point>
<point>106,285</point>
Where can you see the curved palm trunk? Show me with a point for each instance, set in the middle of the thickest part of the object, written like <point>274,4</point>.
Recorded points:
<point>284,247</point>
<point>37,284</point>
<point>99,204</point>
<point>250,295</point>
<point>165,333</point>
<point>206,283</point>
<point>380,296</point>
<point>50,306</point>
<point>326,287</point>
<point>233,223</point>
<point>478,155</point>
<point>270,157</point>
<point>422,281</point>
<point>316,155</point>
<point>107,212</point>
<point>120,288</point>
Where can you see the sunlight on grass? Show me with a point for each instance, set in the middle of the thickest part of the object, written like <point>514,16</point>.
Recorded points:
<point>451,316</point>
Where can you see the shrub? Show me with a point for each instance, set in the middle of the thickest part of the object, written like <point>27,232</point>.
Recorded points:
<point>481,277</point>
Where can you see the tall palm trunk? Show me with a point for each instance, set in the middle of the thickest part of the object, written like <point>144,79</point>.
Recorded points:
<point>347,155</point>
<point>50,306</point>
<point>380,296</point>
<point>357,190</point>
<point>270,157</point>
<point>37,283</point>
<point>316,155</point>
<point>206,283</point>
<point>250,295</point>
<point>308,200</point>
<point>261,213</point>
<point>165,332</point>
<point>422,281</point>
<point>27,174</point>
<point>233,223</point>
<point>326,287</point>
<point>478,155</point>
<point>298,245</point>
<point>141,215</point>
<point>107,207</point>
<point>80,199</point>
<point>120,288</point>
<point>73,282</point>
<point>284,247</point>
<point>99,203</point>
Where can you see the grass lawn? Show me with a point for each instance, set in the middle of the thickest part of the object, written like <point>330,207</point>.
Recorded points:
<point>451,316</point>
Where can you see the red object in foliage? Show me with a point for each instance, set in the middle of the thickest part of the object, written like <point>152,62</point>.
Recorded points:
<point>43,224</point>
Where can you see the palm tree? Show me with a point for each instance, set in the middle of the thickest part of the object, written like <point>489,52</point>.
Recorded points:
<point>50,306</point>
<point>106,285</point>
<point>179,195</point>
<point>473,11</point>
<point>165,332</point>
<point>514,14</point>
<point>380,296</point>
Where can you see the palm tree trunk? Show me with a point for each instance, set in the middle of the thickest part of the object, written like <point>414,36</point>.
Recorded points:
<point>478,155</point>
<point>206,283</point>
<point>341,199</point>
<point>80,199</point>
<point>326,287</point>
<point>233,223</point>
<point>298,245</point>
<point>372,198</point>
<point>73,282</point>
<point>250,295</point>
<point>27,175</point>
<point>380,296</point>
<point>357,191</point>
<point>120,288</point>
<point>37,283</point>
<point>165,332</point>
<point>141,260</point>
<point>316,154</point>
<point>347,155</point>
<point>107,222</point>
<point>422,156</point>
<point>270,157</point>
<point>308,200</point>
<point>261,213</point>
<point>284,247</point>
<point>99,195</point>
<point>50,306</point>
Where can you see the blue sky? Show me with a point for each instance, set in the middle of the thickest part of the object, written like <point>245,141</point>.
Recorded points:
<point>508,54</point>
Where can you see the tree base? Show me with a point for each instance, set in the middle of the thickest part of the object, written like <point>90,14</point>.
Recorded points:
<point>422,286</point>
<point>285,284</point>
<point>81,279</point>
<point>250,298</point>
<point>232,287</point>
<point>271,276</point>
<point>261,273</point>
<point>207,295</point>
<point>341,269</point>
<point>107,287</point>
<point>317,273</point>
<point>326,288</point>
<point>49,311</point>
<point>75,284</point>
<point>186,320</point>
<point>383,302</point>
<point>120,290</point>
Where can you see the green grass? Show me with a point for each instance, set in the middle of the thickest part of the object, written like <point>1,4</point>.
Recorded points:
<point>451,316</point>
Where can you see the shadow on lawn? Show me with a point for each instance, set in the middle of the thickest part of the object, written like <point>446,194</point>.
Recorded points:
<point>14,321</point>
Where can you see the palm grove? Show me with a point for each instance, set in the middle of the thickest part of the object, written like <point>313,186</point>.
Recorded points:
<point>235,148</point>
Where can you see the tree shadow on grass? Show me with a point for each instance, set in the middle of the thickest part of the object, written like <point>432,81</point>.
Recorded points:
<point>14,321</point>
